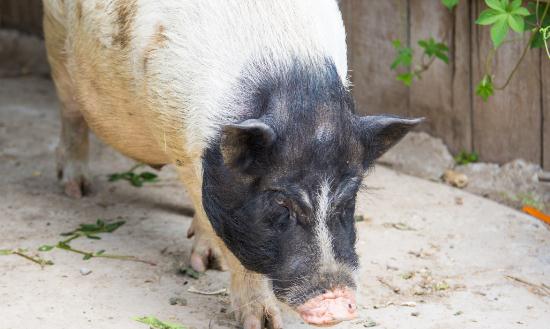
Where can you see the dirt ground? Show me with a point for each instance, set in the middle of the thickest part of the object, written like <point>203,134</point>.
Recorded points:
<point>432,256</point>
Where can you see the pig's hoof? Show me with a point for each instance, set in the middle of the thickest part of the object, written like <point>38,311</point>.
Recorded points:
<point>75,185</point>
<point>270,318</point>
<point>205,253</point>
<point>76,189</point>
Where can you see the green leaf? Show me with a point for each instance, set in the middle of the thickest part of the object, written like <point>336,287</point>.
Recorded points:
<point>87,256</point>
<point>63,245</point>
<point>406,78</point>
<point>396,43</point>
<point>136,181</point>
<point>521,11</point>
<point>148,175</point>
<point>442,57</point>
<point>155,323</point>
<point>516,23</point>
<point>498,32</point>
<point>99,253</point>
<point>485,88</point>
<point>403,58</point>
<point>190,272</point>
<point>532,18</point>
<point>89,228</point>
<point>45,248</point>
<point>433,48</point>
<point>515,4</point>
<point>93,237</point>
<point>114,177</point>
<point>450,3</point>
<point>111,227</point>
<point>488,17</point>
<point>496,4</point>
<point>5,252</point>
<point>464,158</point>
<point>538,41</point>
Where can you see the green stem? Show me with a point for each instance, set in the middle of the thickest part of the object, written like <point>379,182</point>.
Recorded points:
<point>128,258</point>
<point>137,165</point>
<point>525,49</point>
<point>71,238</point>
<point>516,67</point>
<point>119,257</point>
<point>423,67</point>
<point>546,46</point>
<point>38,261</point>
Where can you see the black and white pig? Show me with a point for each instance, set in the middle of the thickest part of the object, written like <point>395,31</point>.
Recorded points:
<point>250,100</point>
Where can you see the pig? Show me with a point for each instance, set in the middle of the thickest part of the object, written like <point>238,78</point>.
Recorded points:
<point>251,102</point>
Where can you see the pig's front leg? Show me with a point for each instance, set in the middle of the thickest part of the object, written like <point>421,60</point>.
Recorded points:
<point>252,298</point>
<point>205,252</point>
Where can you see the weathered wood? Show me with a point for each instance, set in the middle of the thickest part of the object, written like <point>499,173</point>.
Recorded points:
<point>24,15</point>
<point>443,94</point>
<point>545,83</point>
<point>507,126</point>
<point>371,26</point>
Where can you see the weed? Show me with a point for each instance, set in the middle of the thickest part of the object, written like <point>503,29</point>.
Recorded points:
<point>133,178</point>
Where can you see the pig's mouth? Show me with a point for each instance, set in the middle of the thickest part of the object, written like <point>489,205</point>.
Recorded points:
<point>330,308</point>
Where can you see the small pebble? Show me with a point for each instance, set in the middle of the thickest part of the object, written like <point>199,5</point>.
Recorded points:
<point>85,271</point>
<point>178,301</point>
<point>415,313</point>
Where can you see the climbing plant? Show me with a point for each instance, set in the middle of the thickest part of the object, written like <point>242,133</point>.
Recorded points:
<point>501,16</point>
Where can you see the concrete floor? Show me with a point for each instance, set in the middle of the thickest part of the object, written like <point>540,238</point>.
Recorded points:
<point>450,265</point>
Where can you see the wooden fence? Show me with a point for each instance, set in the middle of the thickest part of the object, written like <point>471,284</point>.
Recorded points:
<point>516,124</point>
<point>24,15</point>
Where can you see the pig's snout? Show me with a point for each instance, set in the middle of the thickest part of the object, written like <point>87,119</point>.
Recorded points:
<point>330,308</point>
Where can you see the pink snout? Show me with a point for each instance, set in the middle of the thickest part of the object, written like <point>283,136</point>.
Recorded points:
<point>329,308</point>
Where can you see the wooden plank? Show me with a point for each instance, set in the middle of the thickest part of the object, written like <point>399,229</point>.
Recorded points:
<point>371,26</point>
<point>443,95</point>
<point>36,18</point>
<point>346,9</point>
<point>24,15</point>
<point>545,68</point>
<point>508,126</point>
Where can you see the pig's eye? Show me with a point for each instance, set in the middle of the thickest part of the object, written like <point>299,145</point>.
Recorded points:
<point>287,204</point>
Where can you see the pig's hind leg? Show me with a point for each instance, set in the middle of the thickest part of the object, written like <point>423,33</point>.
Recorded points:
<point>72,151</point>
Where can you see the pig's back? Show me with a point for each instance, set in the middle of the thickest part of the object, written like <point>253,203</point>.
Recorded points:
<point>211,43</point>
<point>180,61</point>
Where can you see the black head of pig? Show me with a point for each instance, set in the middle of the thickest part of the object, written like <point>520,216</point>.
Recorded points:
<point>279,187</point>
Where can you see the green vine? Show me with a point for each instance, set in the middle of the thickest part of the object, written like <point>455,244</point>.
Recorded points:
<point>502,16</point>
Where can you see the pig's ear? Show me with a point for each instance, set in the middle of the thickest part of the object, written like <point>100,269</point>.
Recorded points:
<point>381,132</point>
<point>246,146</point>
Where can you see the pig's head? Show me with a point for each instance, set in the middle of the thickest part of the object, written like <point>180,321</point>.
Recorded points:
<point>280,190</point>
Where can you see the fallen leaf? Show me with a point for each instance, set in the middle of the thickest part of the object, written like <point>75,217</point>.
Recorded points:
<point>155,323</point>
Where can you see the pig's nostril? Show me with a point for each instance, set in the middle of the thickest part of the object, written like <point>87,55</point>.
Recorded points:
<point>349,305</point>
